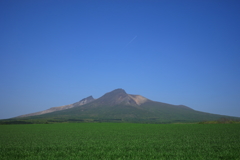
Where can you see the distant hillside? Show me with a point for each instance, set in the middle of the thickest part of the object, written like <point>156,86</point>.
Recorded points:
<point>118,106</point>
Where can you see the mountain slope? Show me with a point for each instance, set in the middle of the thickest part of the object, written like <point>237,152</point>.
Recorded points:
<point>117,105</point>
<point>54,109</point>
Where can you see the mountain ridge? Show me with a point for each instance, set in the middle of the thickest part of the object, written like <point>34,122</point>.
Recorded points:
<point>54,109</point>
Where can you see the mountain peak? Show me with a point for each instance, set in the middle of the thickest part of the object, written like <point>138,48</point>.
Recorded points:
<point>119,96</point>
<point>84,101</point>
<point>118,91</point>
<point>112,98</point>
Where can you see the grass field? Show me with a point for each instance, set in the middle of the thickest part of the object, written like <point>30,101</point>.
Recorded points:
<point>120,141</point>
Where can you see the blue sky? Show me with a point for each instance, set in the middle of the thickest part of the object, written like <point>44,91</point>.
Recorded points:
<point>54,53</point>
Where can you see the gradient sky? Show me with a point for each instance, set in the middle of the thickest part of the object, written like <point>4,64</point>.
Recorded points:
<point>54,53</point>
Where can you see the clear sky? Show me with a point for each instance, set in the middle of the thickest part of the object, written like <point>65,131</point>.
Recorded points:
<point>54,53</point>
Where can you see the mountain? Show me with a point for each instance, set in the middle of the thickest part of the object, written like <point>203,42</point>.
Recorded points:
<point>119,106</point>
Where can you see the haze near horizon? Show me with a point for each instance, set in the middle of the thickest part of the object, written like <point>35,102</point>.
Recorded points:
<point>55,53</point>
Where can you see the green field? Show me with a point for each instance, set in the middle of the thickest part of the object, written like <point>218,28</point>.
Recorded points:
<point>120,141</point>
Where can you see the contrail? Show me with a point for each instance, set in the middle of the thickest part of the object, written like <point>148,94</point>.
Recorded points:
<point>130,42</point>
